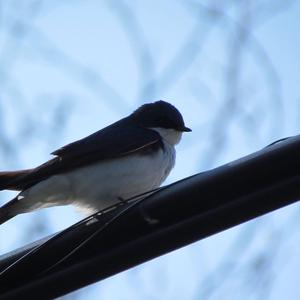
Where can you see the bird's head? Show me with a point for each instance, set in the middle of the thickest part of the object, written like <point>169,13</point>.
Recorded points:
<point>162,117</point>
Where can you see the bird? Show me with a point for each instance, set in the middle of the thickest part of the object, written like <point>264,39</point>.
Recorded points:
<point>127,158</point>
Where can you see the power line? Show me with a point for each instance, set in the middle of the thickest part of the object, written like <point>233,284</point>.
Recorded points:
<point>173,217</point>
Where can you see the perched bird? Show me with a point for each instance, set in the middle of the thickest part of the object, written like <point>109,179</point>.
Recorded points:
<point>129,157</point>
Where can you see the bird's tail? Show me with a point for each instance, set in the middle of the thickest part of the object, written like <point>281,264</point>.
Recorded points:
<point>7,211</point>
<point>11,180</point>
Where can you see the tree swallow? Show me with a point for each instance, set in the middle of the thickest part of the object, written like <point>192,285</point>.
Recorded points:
<point>128,158</point>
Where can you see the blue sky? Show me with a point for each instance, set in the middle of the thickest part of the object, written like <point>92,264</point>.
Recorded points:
<point>84,64</point>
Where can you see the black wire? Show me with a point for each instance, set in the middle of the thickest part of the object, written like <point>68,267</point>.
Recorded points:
<point>133,199</point>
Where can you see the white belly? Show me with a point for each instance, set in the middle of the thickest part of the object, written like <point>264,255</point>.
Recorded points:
<point>100,185</point>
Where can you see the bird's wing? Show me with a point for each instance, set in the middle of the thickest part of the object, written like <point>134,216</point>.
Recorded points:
<point>111,142</point>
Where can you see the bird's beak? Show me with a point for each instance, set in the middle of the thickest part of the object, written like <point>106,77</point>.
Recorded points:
<point>185,129</point>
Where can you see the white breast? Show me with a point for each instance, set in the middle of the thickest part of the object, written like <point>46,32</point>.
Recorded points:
<point>121,179</point>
